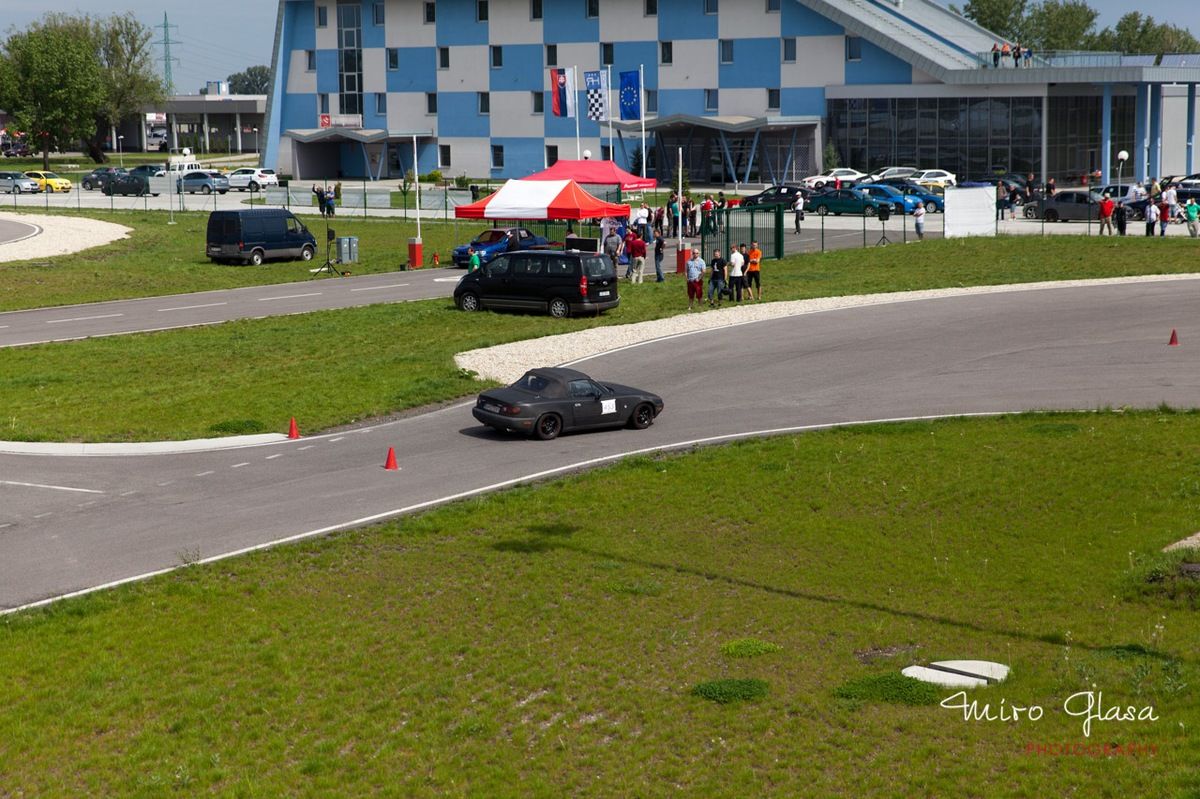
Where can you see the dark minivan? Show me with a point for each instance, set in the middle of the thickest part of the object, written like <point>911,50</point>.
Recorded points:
<point>559,283</point>
<point>253,236</point>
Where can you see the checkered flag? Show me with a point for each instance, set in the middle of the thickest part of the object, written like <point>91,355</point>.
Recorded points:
<point>596,84</point>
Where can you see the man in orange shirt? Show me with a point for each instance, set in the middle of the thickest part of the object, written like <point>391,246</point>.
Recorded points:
<point>753,262</point>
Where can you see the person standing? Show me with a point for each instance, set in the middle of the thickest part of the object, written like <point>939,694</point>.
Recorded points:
<point>1027,56</point>
<point>1191,212</point>
<point>695,278</point>
<point>1005,52</point>
<point>1164,216</point>
<point>798,211</point>
<point>995,55</point>
<point>612,247</point>
<point>329,203</point>
<point>630,236</point>
<point>1151,218</point>
<point>1016,54</point>
<point>1171,197</point>
<point>637,259</point>
<point>1120,216</point>
<point>736,262</point>
<point>1107,206</point>
<point>1050,187</point>
<point>473,262</point>
<point>753,276</point>
<point>660,246</point>
<point>673,212</point>
<point>919,221</point>
<point>319,193</point>
<point>722,204</point>
<point>716,279</point>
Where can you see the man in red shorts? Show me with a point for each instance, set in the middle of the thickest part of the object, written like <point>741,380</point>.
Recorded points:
<point>695,279</point>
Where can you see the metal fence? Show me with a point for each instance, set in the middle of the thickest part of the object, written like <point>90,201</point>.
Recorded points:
<point>733,226</point>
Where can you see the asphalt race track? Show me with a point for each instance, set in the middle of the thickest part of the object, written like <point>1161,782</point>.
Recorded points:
<point>11,231</point>
<point>72,523</point>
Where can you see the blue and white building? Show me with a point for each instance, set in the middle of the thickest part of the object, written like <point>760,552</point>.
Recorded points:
<point>752,90</point>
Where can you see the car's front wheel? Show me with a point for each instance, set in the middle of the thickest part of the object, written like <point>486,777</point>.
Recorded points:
<point>468,301</point>
<point>820,184</point>
<point>206,189</point>
<point>559,308</point>
<point>931,207</point>
<point>306,253</point>
<point>548,426</point>
<point>253,186</point>
<point>869,210</point>
<point>822,210</point>
<point>643,416</point>
<point>1031,211</point>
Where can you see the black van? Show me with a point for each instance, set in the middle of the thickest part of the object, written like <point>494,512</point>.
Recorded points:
<point>253,236</point>
<point>560,283</point>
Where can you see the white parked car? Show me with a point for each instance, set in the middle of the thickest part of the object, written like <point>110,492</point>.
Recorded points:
<point>843,174</point>
<point>252,179</point>
<point>934,177</point>
<point>892,172</point>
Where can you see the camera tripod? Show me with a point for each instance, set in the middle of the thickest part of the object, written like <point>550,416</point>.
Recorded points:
<point>330,266</point>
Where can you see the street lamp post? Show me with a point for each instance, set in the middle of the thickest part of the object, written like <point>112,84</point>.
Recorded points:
<point>1122,157</point>
<point>256,144</point>
<point>120,155</point>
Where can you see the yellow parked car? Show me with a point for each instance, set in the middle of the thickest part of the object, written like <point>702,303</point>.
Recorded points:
<point>48,181</point>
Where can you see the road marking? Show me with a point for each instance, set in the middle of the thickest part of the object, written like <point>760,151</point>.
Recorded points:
<point>377,288</point>
<point>206,474</point>
<point>3,327</point>
<point>240,465</point>
<point>191,307</point>
<point>6,524</point>
<point>169,482</point>
<point>335,440</point>
<point>86,504</point>
<point>44,515</point>
<point>289,296</point>
<point>273,457</point>
<point>445,280</point>
<point>301,449</point>
<point>128,493</point>
<point>84,318</point>
<point>56,488</point>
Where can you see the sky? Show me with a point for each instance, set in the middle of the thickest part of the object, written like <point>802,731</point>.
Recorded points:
<point>219,37</point>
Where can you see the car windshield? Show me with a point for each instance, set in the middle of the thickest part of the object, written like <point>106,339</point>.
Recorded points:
<point>491,237</point>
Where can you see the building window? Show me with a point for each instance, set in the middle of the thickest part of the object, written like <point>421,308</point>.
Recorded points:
<point>322,17</point>
<point>380,103</point>
<point>430,102</point>
<point>651,8</point>
<point>485,103</point>
<point>710,99</point>
<point>651,101</point>
<point>789,50</point>
<point>552,55</point>
<point>481,10</point>
<point>497,56</point>
<point>393,59</point>
<point>710,6</point>
<point>605,152</point>
<point>443,155</point>
<point>443,58</point>
<point>772,6</point>
<point>592,9</point>
<point>853,48</point>
<point>666,53</point>
<point>535,9</point>
<point>551,155</point>
<point>726,51</point>
<point>606,54</point>
<point>310,60</point>
<point>539,102</point>
<point>497,156</point>
<point>378,13</point>
<point>430,13</point>
<point>323,102</point>
<point>772,99</point>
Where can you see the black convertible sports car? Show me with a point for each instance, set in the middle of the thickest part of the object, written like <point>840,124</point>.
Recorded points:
<point>545,402</point>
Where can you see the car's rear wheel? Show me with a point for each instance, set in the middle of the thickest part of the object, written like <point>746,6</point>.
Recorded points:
<point>820,184</point>
<point>253,186</point>
<point>206,189</point>
<point>642,417</point>
<point>559,308</point>
<point>822,210</point>
<point>931,207</point>
<point>256,258</point>
<point>306,253</point>
<point>87,184</point>
<point>468,301</point>
<point>548,426</point>
<point>1051,215</point>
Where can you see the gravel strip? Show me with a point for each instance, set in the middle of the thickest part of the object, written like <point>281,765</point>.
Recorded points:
<point>60,235</point>
<point>506,362</point>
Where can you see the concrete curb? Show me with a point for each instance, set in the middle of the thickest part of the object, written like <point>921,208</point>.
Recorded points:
<point>138,448</point>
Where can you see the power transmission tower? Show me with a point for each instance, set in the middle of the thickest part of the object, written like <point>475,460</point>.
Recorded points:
<point>167,60</point>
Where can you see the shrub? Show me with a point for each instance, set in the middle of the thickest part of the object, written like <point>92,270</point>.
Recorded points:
<point>748,648</point>
<point>1165,575</point>
<point>891,687</point>
<point>433,177</point>
<point>237,427</point>
<point>724,692</point>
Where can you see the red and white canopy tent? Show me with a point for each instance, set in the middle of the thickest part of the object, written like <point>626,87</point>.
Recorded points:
<point>540,199</point>
<point>595,173</point>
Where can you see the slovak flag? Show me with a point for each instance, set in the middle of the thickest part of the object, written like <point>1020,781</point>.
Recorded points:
<point>631,95</point>
<point>562,91</point>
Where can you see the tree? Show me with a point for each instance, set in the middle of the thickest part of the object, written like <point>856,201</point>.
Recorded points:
<point>131,83</point>
<point>1005,18</point>
<point>1060,25</point>
<point>1135,33</point>
<point>255,80</point>
<point>51,84</point>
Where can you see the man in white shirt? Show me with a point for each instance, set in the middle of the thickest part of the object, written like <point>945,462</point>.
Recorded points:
<point>1172,200</point>
<point>736,280</point>
<point>1151,218</point>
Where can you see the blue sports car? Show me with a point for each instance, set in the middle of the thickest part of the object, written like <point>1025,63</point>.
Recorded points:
<point>494,241</point>
<point>901,203</point>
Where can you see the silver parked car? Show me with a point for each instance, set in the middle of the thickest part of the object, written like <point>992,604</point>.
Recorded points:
<point>17,183</point>
<point>203,182</point>
<point>1066,206</point>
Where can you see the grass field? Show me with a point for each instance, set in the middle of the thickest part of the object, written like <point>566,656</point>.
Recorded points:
<point>254,375</point>
<point>547,642</point>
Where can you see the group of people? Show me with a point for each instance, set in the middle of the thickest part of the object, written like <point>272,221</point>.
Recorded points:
<point>733,278</point>
<point>633,246</point>
<point>326,199</point>
<point>1002,53</point>
<point>1162,207</point>
<point>698,218</point>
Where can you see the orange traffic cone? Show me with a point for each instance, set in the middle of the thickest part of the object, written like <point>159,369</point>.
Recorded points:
<point>436,260</point>
<point>1174,342</point>
<point>293,431</point>
<point>390,463</point>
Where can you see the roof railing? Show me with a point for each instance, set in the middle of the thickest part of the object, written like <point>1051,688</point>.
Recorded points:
<point>1066,58</point>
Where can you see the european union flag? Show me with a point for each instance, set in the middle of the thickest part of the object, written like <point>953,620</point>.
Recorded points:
<point>631,95</point>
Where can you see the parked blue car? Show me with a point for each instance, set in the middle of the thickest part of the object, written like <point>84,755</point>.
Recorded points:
<point>901,203</point>
<point>934,203</point>
<point>494,241</point>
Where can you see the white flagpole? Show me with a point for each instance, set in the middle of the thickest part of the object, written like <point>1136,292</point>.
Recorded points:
<point>608,109</point>
<point>571,88</point>
<point>679,202</point>
<point>642,113</point>
<point>417,180</point>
